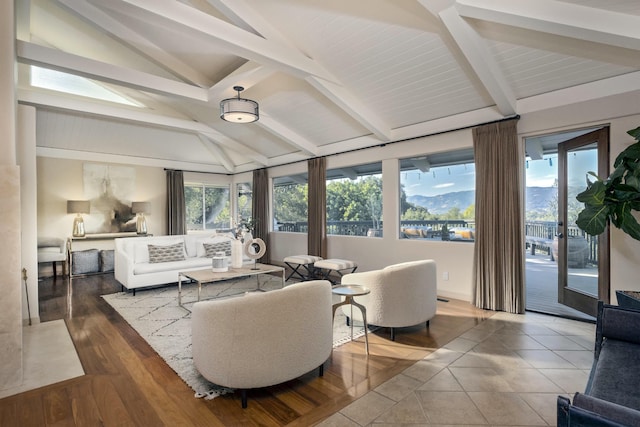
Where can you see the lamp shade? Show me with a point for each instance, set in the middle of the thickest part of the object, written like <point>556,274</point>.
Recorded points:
<point>140,207</point>
<point>78,206</point>
<point>239,110</point>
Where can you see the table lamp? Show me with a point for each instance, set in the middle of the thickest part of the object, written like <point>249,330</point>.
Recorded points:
<point>78,207</point>
<point>139,208</point>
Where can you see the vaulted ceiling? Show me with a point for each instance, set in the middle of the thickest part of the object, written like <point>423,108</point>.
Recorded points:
<point>330,75</point>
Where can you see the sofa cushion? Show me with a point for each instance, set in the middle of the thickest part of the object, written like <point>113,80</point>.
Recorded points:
<point>166,253</point>
<point>612,379</point>
<point>177,266</point>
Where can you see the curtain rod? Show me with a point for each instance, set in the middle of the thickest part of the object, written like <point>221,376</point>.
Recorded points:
<point>382,144</point>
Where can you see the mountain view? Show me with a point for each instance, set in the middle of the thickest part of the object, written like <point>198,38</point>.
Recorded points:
<point>538,200</point>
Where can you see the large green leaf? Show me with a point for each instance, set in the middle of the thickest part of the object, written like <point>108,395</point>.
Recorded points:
<point>630,226</point>
<point>635,133</point>
<point>593,219</point>
<point>594,194</point>
<point>631,153</point>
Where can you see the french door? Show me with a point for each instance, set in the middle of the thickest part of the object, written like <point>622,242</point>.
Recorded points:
<point>583,260</point>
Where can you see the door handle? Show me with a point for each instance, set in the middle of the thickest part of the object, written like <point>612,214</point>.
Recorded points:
<point>560,235</point>
<point>560,223</point>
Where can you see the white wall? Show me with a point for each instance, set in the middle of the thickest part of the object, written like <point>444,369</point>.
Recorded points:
<point>59,180</point>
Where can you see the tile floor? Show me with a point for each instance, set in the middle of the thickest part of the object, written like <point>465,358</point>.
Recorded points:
<point>49,357</point>
<point>507,371</point>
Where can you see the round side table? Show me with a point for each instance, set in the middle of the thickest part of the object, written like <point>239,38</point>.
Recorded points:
<point>349,292</point>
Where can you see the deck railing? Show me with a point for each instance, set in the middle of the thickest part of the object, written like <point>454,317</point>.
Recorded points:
<point>542,231</point>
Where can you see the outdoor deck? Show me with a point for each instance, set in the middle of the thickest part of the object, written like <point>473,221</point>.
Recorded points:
<point>542,288</point>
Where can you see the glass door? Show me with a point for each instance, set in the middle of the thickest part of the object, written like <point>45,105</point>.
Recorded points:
<point>583,260</point>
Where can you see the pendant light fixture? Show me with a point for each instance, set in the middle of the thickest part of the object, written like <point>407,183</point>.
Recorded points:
<point>239,110</point>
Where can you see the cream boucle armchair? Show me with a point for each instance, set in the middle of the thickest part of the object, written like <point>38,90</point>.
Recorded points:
<point>262,339</point>
<point>401,294</point>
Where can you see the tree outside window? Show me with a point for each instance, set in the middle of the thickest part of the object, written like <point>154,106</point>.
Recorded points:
<point>207,206</point>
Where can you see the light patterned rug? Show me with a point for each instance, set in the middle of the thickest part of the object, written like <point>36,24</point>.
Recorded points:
<point>156,316</point>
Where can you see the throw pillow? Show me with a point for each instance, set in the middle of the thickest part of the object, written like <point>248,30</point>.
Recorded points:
<point>211,248</point>
<point>167,253</point>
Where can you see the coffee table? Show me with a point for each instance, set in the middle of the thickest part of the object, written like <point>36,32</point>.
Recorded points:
<point>207,276</point>
<point>348,292</point>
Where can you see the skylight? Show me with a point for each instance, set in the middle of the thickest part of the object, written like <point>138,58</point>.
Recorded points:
<point>76,85</point>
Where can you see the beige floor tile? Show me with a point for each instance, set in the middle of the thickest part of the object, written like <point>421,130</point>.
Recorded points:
<point>570,380</point>
<point>424,370</point>
<point>443,381</point>
<point>544,404</point>
<point>505,409</point>
<point>445,407</point>
<point>582,359</point>
<point>478,358</point>
<point>443,356</point>
<point>481,379</point>
<point>557,342</point>
<point>367,408</point>
<point>477,335</point>
<point>460,344</point>
<point>529,380</point>
<point>544,359</point>
<point>407,411</point>
<point>398,387</point>
<point>518,342</point>
<point>338,420</point>
<point>588,342</point>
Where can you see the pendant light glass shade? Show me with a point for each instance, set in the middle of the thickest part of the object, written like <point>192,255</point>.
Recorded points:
<point>239,110</point>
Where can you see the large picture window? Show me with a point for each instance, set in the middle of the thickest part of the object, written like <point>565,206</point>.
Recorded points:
<point>354,200</point>
<point>290,203</point>
<point>437,196</point>
<point>207,206</point>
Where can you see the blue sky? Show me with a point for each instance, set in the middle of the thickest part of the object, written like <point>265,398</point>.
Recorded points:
<point>539,173</point>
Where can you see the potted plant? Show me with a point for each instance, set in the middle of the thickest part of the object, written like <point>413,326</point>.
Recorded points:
<point>613,200</point>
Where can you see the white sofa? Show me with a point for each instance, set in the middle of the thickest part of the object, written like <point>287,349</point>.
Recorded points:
<point>131,258</point>
<point>263,338</point>
<point>401,295</point>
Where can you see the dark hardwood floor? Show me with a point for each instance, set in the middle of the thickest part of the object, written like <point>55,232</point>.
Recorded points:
<point>128,384</point>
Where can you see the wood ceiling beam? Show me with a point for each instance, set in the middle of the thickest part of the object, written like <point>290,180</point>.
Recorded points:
<point>139,116</point>
<point>559,18</point>
<point>287,135</point>
<point>478,56</point>
<point>137,42</point>
<point>33,54</point>
<point>217,152</point>
<point>241,11</point>
<point>178,16</point>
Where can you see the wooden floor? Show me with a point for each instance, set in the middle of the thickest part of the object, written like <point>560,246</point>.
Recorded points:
<point>128,384</point>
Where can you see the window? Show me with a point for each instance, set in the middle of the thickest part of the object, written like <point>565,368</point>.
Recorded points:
<point>207,206</point>
<point>290,203</point>
<point>354,200</point>
<point>437,196</point>
<point>245,200</point>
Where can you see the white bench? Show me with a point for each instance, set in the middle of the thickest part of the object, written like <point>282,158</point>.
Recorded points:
<point>301,265</point>
<point>327,266</point>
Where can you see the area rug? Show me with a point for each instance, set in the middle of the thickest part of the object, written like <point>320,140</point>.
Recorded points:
<point>156,316</point>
